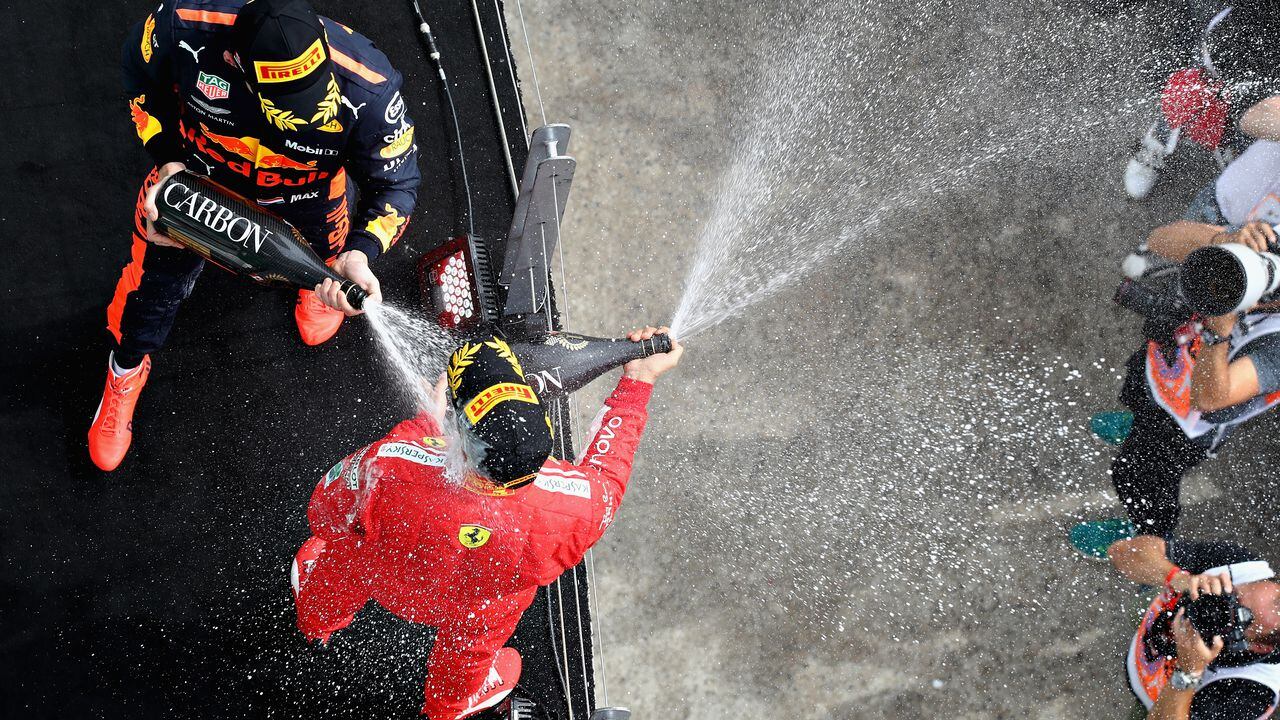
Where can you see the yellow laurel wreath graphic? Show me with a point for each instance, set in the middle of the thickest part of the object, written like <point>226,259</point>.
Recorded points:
<point>504,352</point>
<point>461,359</point>
<point>283,119</point>
<point>327,109</point>
<point>148,29</point>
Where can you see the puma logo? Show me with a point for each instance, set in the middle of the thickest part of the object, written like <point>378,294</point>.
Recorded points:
<point>194,53</point>
<point>355,111</point>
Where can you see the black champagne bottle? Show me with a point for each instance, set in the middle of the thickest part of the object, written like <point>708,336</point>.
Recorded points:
<point>563,362</point>
<point>235,234</point>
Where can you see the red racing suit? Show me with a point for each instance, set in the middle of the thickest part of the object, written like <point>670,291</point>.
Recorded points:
<point>466,559</point>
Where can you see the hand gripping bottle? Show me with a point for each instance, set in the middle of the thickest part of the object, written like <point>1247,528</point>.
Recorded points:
<point>563,362</point>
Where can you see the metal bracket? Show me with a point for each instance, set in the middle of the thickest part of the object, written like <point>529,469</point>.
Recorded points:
<point>535,225</point>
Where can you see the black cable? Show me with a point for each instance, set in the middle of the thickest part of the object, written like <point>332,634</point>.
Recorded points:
<point>433,52</point>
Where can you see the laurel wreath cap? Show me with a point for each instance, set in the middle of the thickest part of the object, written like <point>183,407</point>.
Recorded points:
<point>461,359</point>
<point>327,109</point>
<point>283,119</point>
<point>504,352</point>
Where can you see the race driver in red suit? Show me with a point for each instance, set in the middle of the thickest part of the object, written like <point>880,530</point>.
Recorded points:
<point>297,113</point>
<point>468,557</point>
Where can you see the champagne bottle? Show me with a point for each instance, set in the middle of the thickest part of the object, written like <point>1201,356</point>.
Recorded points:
<point>235,234</point>
<point>563,362</point>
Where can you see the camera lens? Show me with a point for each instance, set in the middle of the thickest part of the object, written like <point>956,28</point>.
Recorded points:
<point>1214,281</point>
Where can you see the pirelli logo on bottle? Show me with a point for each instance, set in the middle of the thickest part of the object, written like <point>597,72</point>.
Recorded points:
<point>489,398</point>
<point>286,70</point>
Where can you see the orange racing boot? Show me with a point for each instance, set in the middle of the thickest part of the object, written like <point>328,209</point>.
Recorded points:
<point>112,428</point>
<point>317,322</point>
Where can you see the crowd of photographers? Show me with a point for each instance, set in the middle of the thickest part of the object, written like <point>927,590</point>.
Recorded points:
<point>1208,285</point>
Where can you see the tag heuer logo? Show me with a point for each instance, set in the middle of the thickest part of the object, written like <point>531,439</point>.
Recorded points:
<point>473,536</point>
<point>213,87</point>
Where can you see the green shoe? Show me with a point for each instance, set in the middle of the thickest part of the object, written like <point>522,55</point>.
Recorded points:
<point>1112,426</point>
<point>1093,538</point>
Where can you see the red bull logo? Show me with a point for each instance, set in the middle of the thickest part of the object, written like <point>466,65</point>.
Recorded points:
<point>387,228</point>
<point>146,125</point>
<point>268,159</point>
<point>245,147</point>
<point>254,151</point>
<point>213,146</point>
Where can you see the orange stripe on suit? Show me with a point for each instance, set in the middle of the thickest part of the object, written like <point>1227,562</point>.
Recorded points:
<point>131,276</point>
<point>206,16</point>
<point>355,67</point>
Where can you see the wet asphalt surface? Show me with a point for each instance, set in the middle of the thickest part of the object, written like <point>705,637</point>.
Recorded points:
<point>854,497</point>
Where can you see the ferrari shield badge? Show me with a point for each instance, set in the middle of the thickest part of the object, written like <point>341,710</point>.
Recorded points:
<point>473,536</point>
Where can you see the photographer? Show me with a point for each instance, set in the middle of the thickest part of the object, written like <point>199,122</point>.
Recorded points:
<point>1232,668</point>
<point>1195,381</point>
<point>1214,102</point>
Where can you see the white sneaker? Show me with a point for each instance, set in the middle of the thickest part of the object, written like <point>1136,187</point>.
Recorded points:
<point>1143,170</point>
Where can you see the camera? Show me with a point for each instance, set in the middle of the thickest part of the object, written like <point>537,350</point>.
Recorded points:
<point>1221,279</point>
<point>1152,289</point>
<point>1212,616</point>
<point>1222,616</point>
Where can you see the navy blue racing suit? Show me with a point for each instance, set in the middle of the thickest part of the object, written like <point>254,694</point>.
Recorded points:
<point>190,103</point>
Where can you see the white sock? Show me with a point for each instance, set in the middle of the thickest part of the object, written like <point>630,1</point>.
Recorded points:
<point>116,369</point>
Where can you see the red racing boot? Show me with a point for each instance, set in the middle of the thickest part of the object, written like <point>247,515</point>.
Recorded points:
<point>502,679</point>
<point>303,562</point>
<point>112,428</point>
<point>317,322</point>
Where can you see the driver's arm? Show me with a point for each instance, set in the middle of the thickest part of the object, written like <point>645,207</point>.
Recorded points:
<point>1178,239</point>
<point>149,88</point>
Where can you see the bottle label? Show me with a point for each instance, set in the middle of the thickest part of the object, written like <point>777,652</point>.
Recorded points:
<point>215,216</point>
<point>545,381</point>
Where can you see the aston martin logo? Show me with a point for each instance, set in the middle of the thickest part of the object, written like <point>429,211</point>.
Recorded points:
<point>473,536</point>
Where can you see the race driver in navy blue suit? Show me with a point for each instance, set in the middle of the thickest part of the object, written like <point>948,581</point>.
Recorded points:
<point>297,113</point>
